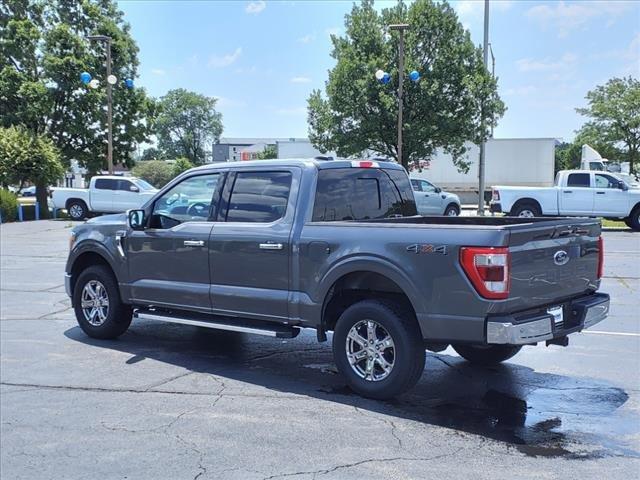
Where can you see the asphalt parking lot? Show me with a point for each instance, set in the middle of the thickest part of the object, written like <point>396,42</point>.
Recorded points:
<point>167,401</point>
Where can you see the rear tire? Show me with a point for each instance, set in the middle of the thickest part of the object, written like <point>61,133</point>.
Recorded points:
<point>97,304</point>
<point>633,221</point>
<point>452,210</point>
<point>77,209</point>
<point>486,354</point>
<point>384,343</point>
<point>526,210</point>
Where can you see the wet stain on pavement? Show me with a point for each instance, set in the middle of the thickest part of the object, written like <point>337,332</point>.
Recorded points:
<point>539,414</point>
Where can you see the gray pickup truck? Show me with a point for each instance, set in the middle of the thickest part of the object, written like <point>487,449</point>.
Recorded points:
<point>271,247</point>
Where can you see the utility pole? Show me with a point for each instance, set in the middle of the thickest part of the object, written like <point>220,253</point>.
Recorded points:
<point>481,163</point>
<point>107,41</point>
<point>493,76</point>
<point>401,27</point>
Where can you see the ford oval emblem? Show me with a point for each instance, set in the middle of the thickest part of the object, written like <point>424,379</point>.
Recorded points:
<point>561,257</point>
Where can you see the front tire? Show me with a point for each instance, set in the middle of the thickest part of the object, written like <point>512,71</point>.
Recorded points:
<point>486,354</point>
<point>452,210</point>
<point>77,210</point>
<point>377,346</point>
<point>97,304</point>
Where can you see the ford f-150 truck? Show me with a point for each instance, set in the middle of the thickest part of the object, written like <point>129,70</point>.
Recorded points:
<point>106,194</point>
<point>273,247</point>
<point>576,193</point>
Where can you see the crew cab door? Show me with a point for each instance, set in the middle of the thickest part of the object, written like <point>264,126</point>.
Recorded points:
<point>169,259</point>
<point>101,195</point>
<point>126,196</point>
<point>576,198</point>
<point>250,246</point>
<point>609,199</point>
<point>428,200</point>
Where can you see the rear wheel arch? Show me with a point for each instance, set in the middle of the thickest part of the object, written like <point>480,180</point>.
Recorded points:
<point>522,202</point>
<point>359,285</point>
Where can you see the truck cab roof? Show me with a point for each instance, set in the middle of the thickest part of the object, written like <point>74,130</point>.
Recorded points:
<point>304,162</point>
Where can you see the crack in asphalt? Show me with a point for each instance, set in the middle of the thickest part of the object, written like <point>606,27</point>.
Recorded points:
<point>386,422</point>
<point>326,471</point>
<point>170,379</point>
<point>275,354</point>
<point>437,357</point>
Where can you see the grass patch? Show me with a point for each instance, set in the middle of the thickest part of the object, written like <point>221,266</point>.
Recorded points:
<point>613,223</point>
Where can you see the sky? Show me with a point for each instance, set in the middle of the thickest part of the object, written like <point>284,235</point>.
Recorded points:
<point>262,59</point>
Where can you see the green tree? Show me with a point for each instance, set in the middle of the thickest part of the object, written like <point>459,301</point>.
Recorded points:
<point>43,50</point>
<point>181,165</point>
<point>187,124</point>
<point>270,151</point>
<point>27,157</point>
<point>153,153</point>
<point>156,172</point>
<point>614,109</point>
<point>443,109</point>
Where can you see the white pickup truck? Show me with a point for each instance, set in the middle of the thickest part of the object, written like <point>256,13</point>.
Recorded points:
<point>106,194</point>
<point>577,193</point>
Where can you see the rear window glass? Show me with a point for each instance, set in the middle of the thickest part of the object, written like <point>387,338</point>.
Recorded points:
<point>578,180</point>
<point>362,194</point>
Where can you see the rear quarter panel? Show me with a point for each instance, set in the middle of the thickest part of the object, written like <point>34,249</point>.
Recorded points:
<point>547,197</point>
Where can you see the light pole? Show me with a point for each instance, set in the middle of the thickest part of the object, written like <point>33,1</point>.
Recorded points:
<point>493,76</point>
<point>107,42</point>
<point>481,162</point>
<point>400,27</point>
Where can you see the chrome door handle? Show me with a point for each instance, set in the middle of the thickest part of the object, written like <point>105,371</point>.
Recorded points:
<point>271,246</point>
<point>194,243</point>
<point>600,193</point>
<point>120,234</point>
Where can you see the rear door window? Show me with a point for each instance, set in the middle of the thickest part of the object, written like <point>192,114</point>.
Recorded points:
<point>106,184</point>
<point>259,197</point>
<point>579,180</point>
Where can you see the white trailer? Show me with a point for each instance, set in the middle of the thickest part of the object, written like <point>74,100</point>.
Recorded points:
<point>509,161</point>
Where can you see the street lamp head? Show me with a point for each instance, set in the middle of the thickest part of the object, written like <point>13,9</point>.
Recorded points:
<point>399,26</point>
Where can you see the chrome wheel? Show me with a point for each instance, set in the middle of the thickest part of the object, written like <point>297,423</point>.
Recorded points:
<point>76,211</point>
<point>370,350</point>
<point>95,303</point>
<point>526,214</point>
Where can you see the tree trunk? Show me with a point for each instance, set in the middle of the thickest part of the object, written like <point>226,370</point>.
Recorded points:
<point>41,198</point>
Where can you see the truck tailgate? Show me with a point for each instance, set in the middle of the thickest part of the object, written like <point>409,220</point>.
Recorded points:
<point>553,262</point>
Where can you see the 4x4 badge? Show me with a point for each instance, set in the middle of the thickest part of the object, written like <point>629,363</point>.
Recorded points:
<point>428,248</point>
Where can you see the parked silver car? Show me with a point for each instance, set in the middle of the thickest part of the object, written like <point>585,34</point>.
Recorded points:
<point>431,200</point>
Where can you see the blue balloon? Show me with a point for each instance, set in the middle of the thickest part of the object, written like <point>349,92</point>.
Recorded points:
<point>129,83</point>
<point>414,76</point>
<point>386,78</point>
<point>85,77</point>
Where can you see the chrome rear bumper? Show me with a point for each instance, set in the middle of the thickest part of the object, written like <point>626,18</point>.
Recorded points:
<point>582,313</point>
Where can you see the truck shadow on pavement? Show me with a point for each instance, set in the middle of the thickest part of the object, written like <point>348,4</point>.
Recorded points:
<point>539,414</point>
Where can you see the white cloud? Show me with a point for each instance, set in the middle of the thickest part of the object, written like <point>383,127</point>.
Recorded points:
<point>217,61</point>
<point>307,38</point>
<point>630,56</point>
<point>224,102</point>
<point>472,8</point>
<point>521,91</point>
<point>300,79</point>
<point>247,70</point>
<point>254,8</point>
<point>547,64</point>
<point>568,16</point>
<point>159,71</point>
<point>295,111</point>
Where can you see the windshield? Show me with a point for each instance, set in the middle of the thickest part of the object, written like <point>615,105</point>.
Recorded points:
<point>144,185</point>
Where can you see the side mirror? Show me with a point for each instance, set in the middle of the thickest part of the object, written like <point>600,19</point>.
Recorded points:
<point>438,190</point>
<point>622,186</point>
<point>133,188</point>
<point>135,218</point>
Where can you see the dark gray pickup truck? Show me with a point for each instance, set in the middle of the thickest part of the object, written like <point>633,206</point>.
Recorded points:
<point>271,247</point>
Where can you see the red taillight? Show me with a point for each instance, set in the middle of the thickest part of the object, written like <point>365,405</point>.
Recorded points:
<point>600,257</point>
<point>488,270</point>
<point>495,195</point>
